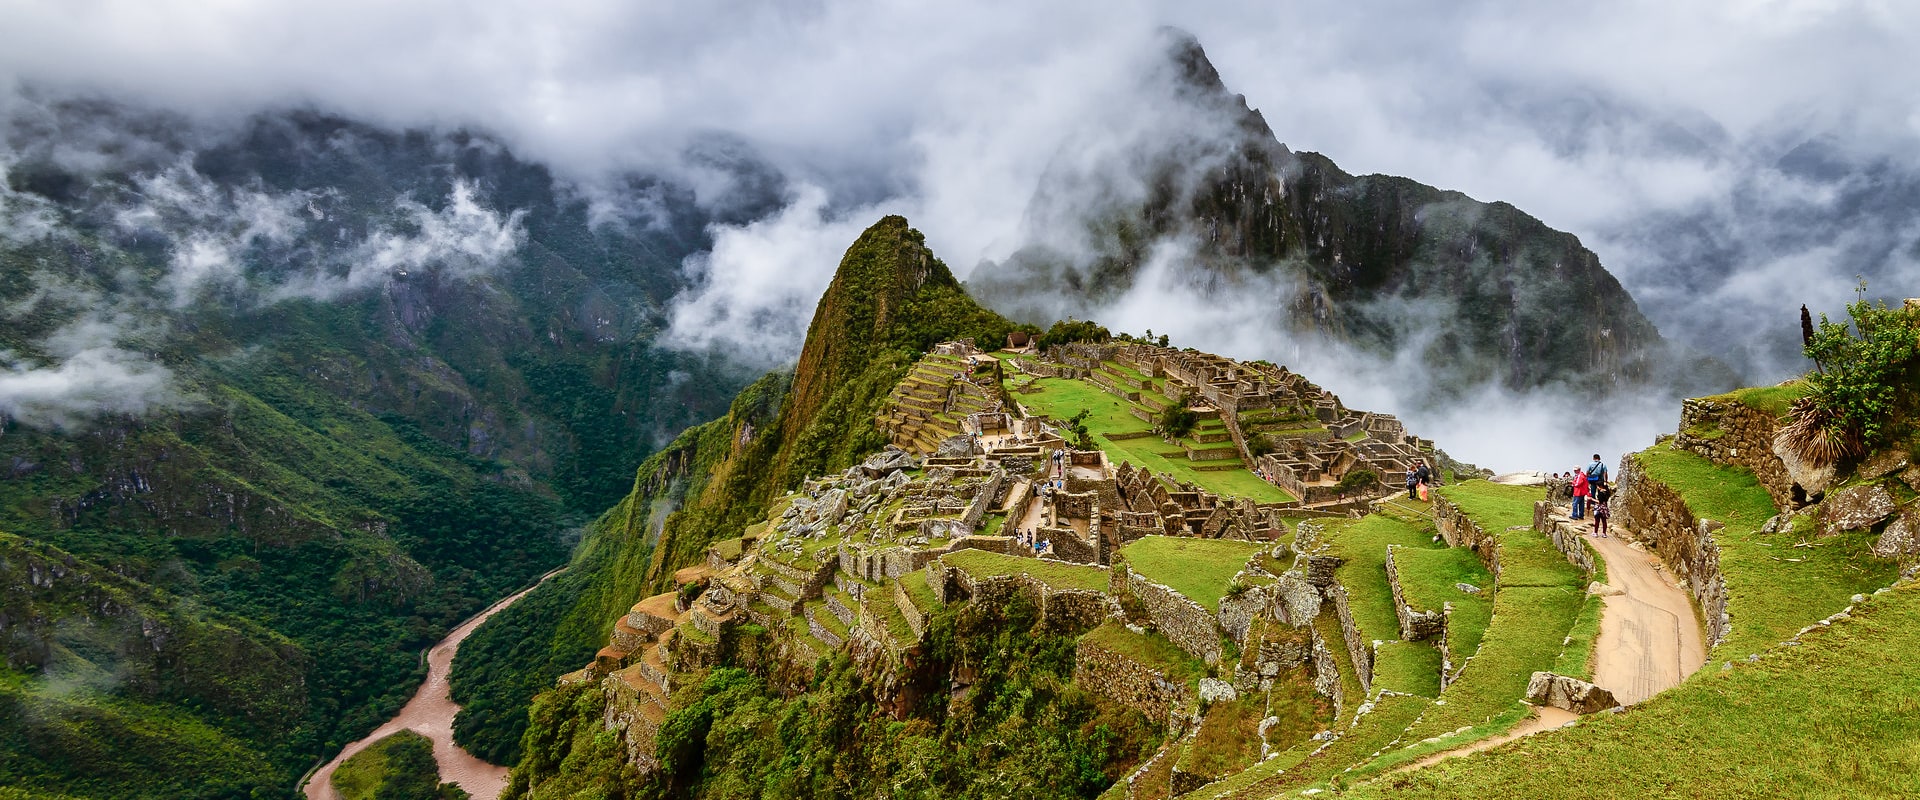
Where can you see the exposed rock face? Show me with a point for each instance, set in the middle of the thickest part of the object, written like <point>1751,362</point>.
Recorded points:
<point>1572,694</point>
<point>1856,508</point>
<point>1325,247</point>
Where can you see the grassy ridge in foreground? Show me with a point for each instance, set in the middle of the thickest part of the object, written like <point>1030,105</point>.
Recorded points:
<point>1776,583</point>
<point>1836,716</point>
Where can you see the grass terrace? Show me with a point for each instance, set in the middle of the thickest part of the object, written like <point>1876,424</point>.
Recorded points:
<point>1527,557</point>
<point>1407,667</point>
<point>1775,400</point>
<point>1776,583</point>
<point>918,591</point>
<point>1833,717</point>
<point>1109,416</point>
<point>1429,578</point>
<point>1363,543</point>
<point>1151,649</point>
<point>1199,569</point>
<point>1057,574</point>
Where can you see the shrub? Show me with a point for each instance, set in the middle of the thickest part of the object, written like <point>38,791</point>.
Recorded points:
<point>1864,385</point>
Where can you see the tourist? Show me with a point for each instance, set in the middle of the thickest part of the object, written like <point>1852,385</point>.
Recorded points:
<point>1597,471</point>
<point>1426,474</point>
<point>1580,488</point>
<point>1413,483</point>
<point>1601,495</point>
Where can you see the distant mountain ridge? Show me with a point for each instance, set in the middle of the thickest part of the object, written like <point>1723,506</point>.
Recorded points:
<point>1379,262</point>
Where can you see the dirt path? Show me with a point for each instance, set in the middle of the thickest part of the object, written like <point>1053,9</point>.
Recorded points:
<point>1650,639</point>
<point>430,714</point>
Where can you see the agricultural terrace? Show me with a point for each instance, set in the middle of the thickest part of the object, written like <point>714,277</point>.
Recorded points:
<point>1126,437</point>
<point>1199,569</point>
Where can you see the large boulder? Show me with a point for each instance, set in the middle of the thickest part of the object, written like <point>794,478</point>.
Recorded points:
<point>1901,539</point>
<point>1856,508</point>
<point>957,446</point>
<point>1572,694</point>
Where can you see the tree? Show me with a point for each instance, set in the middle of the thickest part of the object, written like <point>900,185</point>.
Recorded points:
<point>1179,419</point>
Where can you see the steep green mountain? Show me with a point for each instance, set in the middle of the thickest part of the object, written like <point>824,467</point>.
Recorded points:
<point>889,301</point>
<point>1478,291</point>
<point>321,388</point>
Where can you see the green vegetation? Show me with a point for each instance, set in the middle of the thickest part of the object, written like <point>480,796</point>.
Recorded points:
<point>1776,583</point>
<point>398,767</point>
<point>1177,420</point>
<point>1773,400</point>
<point>1150,648</point>
<point>1199,569</point>
<point>1864,394</point>
<point>1021,728</point>
<point>1058,574</point>
<point>1407,667</point>
<point>1363,544</point>
<point>1527,558</point>
<point>1070,331</point>
<point>1832,717</point>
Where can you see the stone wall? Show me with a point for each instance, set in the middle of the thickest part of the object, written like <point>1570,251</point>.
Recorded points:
<point>1183,621</point>
<point>1414,624</point>
<point>1653,513</point>
<point>1132,684</point>
<point>1068,546</point>
<point>1735,434</point>
<point>1358,648</point>
<point>1568,541</point>
<point>1326,673</point>
<point>1459,530</point>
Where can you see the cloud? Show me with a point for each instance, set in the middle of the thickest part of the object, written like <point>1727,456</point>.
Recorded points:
<point>81,386</point>
<point>1671,138</point>
<point>465,240</point>
<point>754,292</point>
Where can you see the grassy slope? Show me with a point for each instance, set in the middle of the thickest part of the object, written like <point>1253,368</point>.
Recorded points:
<point>1200,569</point>
<point>1776,583</point>
<point>1837,716</point>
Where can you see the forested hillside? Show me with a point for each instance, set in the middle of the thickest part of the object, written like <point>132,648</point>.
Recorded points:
<point>324,388</point>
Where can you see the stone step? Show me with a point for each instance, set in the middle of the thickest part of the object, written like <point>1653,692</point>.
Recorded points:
<point>627,637</point>
<point>654,667</point>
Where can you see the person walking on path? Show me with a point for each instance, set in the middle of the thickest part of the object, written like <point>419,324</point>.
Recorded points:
<point>1580,489</point>
<point>1596,471</point>
<point>1601,495</point>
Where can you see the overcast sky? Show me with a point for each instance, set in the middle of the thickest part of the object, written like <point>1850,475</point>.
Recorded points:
<point>1654,130</point>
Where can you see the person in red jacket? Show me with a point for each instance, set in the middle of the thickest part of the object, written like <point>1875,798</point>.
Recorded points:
<point>1580,487</point>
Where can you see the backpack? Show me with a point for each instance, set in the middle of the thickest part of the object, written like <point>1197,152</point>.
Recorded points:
<point>1596,472</point>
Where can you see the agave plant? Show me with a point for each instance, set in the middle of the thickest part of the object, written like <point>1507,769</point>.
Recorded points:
<point>1817,433</point>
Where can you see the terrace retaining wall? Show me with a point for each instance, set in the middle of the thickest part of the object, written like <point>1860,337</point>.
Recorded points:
<point>1359,650</point>
<point>1459,530</point>
<point>1652,512</point>
<point>1180,619</point>
<point>1414,625</point>
<point>1736,434</point>
<point>1130,683</point>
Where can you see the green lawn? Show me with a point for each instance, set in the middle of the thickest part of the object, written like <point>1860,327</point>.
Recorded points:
<point>1836,717</point>
<point>1776,583</point>
<point>918,591</point>
<point>1429,578</point>
<point>1527,558</point>
<point>1407,667</point>
<point>1151,649</point>
<point>1302,766</point>
<point>1775,400</point>
<point>1058,574</point>
<point>1062,398</point>
<point>1200,569</point>
<point>1363,543</point>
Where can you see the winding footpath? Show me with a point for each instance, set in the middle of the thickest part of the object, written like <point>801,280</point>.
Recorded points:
<point>1650,638</point>
<point>430,713</point>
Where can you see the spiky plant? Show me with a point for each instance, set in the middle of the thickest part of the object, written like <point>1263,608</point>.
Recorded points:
<point>1816,433</point>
